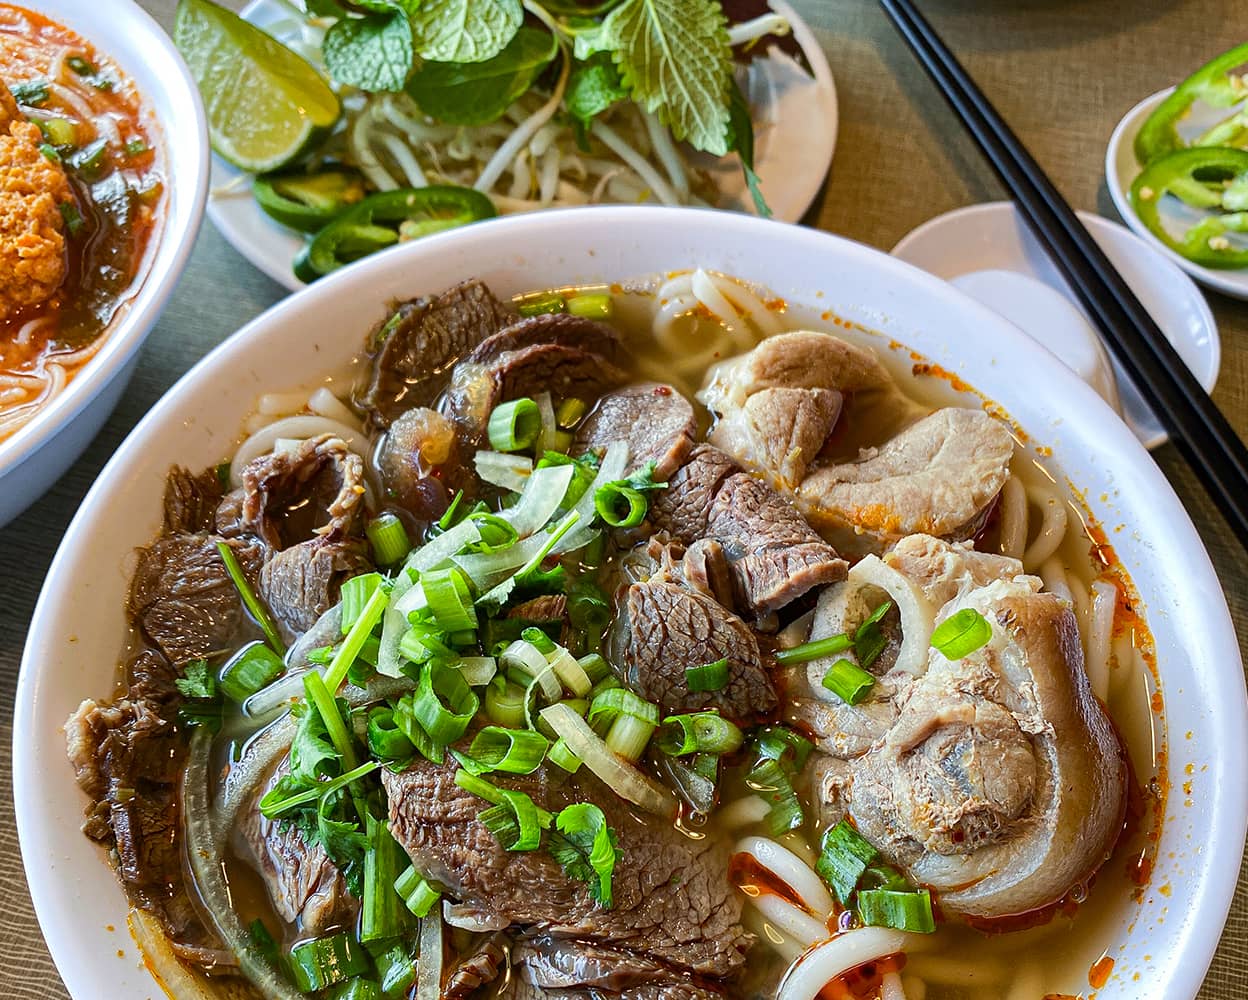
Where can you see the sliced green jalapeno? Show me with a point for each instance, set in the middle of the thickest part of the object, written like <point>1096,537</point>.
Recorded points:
<point>308,202</point>
<point>1216,83</point>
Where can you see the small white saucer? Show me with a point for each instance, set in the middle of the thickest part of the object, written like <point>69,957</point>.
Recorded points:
<point>992,237</point>
<point>1121,170</point>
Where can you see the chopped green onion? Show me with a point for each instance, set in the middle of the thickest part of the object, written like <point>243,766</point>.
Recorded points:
<point>395,970</point>
<point>708,677</point>
<point>570,412</point>
<point>438,682</point>
<point>848,681</point>
<point>606,684</point>
<point>869,641</point>
<point>884,877</point>
<point>251,668</point>
<point>522,817</point>
<point>620,506</point>
<point>32,93</point>
<point>843,857</point>
<point>501,632</point>
<point>561,756</point>
<point>495,795</point>
<point>540,304</point>
<point>59,131</point>
<point>90,159</point>
<point>769,780</point>
<point>703,732</point>
<point>526,663</point>
<point>80,65</point>
<point>781,744</point>
<point>515,425</point>
<point>388,538</point>
<point>570,672</point>
<point>632,721</point>
<point>592,306</point>
<point>385,739</point>
<point>961,634</point>
<point>561,442</point>
<point>462,639</point>
<point>354,640</point>
<point>49,152</point>
<point>355,594</point>
<point>536,637</point>
<point>904,911</point>
<point>504,703</point>
<point>381,910</point>
<point>357,989</point>
<point>136,147</point>
<point>815,650</point>
<point>262,939</point>
<point>595,667</point>
<point>448,516</point>
<point>416,892</point>
<point>450,600</point>
<point>409,726</point>
<point>477,670</point>
<point>326,961</point>
<point>258,611</point>
<point>515,751</point>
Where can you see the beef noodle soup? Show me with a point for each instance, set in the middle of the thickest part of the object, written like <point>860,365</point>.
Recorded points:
<point>81,195</point>
<point>632,640</point>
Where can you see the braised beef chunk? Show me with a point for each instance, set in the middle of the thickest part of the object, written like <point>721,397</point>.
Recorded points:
<point>191,501</point>
<point>128,757</point>
<point>551,328</point>
<point>683,509</point>
<point>655,420</point>
<point>477,970</point>
<point>316,489</point>
<point>672,902</point>
<point>422,339</point>
<point>183,599</point>
<point>301,583</point>
<point>552,967</point>
<point>665,629</point>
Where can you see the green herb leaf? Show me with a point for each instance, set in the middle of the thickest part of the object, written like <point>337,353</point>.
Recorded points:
<point>323,8</point>
<point>372,52</point>
<point>311,750</point>
<point>594,85</point>
<point>586,848</point>
<point>741,139</point>
<point>32,93</point>
<point>474,93</point>
<point>465,31</point>
<point>674,57</point>
<point>197,680</point>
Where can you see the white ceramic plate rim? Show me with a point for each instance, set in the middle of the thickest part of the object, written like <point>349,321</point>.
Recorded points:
<point>1188,613</point>
<point>1233,283</point>
<point>1212,361</point>
<point>186,167</point>
<point>271,248</point>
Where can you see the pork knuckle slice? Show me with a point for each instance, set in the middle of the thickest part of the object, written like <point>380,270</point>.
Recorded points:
<point>779,432</point>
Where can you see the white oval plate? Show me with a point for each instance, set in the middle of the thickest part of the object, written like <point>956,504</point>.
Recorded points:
<point>993,235</point>
<point>792,155</point>
<point>1121,170</point>
<point>1161,945</point>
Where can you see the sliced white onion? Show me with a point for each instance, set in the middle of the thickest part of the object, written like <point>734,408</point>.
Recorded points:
<point>327,404</point>
<point>570,672</point>
<point>394,626</point>
<point>477,670</point>
<point>530,660</point>
<point>469,918</point>
<point>175,978</point>
<point>622,778</point>
<point>546,409</point>
<point>434,553</point>
<point>486,569</point>
<point>743,812</point>
<point>542,496</point>
<point>508,472</point>
<point>429,968</point>
<point>814,970</point>
<point>891,988</point>
<point>255,765</point>
<point>300,428</point>
<point>791,921</point>
<point>792,871</point>
<point>614,465</point>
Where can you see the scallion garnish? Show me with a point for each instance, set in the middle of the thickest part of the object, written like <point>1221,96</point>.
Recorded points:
<point>354,640</point>
<point>570,412</point>
<point>385,739</point>
<point>844,856</point>
<point>73,220</point>
<point>319,695</point>
<point>80,65</point>
<point>515,751</point>
<point>409,726</point>
<point>515,425</point>
<point>443,704</point>
<point>769,779</point>
<point>326,961</point>
<point>869,641</point>
<point>49,153</point>
<point>595,667</point>
<point>416,892</point>
<point>388,538</point>
<point>251,668</point>
<point>905,911</point>
<point>961,634</point>
<point>450,599</point>
<point>541,304</point>
<point>848,681</point>
<point>561,755</point>
<point>592,306</point>
<point>629,721</point>
<point>536,637</point>
<point>707,677</point>
<point>620,506</point>
<point>381,908</point>
<point>782,744</point>
<point>396,971</point>
<point>355,594</point>
<point>253,604</point>
<point>504,703</point>
<point>703,732</point>
<point>815,649</point>
<point>136,147</point>
<point>32,93</point>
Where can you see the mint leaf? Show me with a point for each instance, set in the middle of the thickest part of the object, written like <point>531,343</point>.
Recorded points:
<point>479,92</point>
<point>593,86</point>
<point>465,31</point>
<point>197,681</point>
<point>675,59</point>
<point>373,52</point>
<point>741,140</point>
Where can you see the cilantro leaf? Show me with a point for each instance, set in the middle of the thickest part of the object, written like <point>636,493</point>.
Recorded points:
<point>586,848</point>
<point>311,751</point>
<point>474,93</point>
<point>675,59</point>
<point>197,680</point>
<point>465,31</point>
<point>741,140</point>
<point>643,481</point>
<point>373,52</point>
<point>594,85</point>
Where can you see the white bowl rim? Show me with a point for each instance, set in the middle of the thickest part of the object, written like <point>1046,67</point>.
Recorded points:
<point>1228,797</point>
<point>165,268</point>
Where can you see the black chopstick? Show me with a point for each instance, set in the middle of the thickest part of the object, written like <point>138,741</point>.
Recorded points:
<point>1199,430</point>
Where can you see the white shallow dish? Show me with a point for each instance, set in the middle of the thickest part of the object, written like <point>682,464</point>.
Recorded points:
<point>39,453</point>
<point>1121,170</point>
<point>994,236</point>
<point>79,624</point>
<point>794,141</point>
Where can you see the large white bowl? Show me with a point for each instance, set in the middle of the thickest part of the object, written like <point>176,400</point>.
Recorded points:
<point>78,628</point>
<point>36,456</point>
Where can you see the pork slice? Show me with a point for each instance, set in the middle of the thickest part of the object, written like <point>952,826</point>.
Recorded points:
<point>937,477</point>
<point>551,328</point>
<point>672,898</point>
<point>182,597</point>
<point>944,570</point>
<point>654,419</point>
<point>666,629</point>
<point>420,341</point>
<point>778,432</point>
<point>683,509</point>
<point>191,501</point>
<point>301,583</point>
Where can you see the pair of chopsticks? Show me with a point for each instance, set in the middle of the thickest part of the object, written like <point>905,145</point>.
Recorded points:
<point>1196,426</point>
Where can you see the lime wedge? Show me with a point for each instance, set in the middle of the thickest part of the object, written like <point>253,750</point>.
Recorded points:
<point>266,104</point>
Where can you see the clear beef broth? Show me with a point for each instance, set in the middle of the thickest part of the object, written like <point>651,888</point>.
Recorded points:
<point>957,962</point>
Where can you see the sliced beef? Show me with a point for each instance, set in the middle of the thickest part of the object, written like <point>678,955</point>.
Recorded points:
<point>672,901</point>
<point>937,477</point>
<point>128,757</point>
<point>551,967</point>
<point>665,629</point>
<point>316,489</point>
<point>183,599</point>
<point>704,568</point>
<point>191,501</point>
<point>301,583</point>
<point>655,420</point>
<point>478,969</point>
<point>551,328</point>
<point>421,340</point>
<point>774,555</point>
<point>419,441</point>
<point>779,432</point>
<point>547,609</point>
<point>302,883</point>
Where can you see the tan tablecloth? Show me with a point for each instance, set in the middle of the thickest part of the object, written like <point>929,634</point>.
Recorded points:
<point>1062,72</point>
